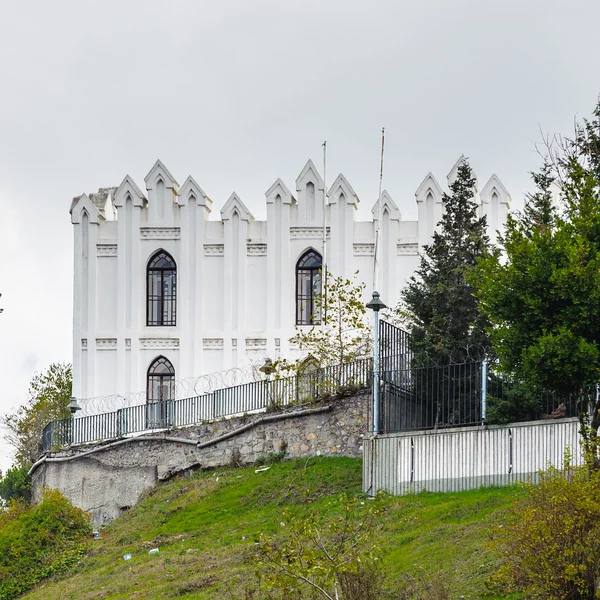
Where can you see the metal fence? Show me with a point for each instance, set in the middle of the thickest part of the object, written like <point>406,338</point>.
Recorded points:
<point>469,393</point>
<point>237,400</point>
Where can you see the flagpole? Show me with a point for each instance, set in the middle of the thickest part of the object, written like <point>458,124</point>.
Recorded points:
<point>324,261</point>
<point>378,227</point>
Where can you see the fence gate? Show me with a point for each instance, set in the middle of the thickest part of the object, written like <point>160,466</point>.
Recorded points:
<point>395,387</point>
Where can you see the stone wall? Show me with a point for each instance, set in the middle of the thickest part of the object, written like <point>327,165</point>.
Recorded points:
<point>106,479</point>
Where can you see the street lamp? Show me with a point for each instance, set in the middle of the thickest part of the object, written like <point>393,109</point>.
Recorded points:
<point>267,368</point>
<point>74,406</point>
<point>376,305</point>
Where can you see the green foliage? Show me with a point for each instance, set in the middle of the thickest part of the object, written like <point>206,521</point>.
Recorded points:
<point>205,525</point>
<point>343,335</point>
<point>39,541</point>
<point>321,555</point>
<point>542,293</point>
<point>49,397</point>
<point>16,484</point>
<point>517,403</point>
<point>550,548</point>
<point>439,302</point>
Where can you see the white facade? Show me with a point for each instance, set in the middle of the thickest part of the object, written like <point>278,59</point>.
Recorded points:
<point>236,277</point>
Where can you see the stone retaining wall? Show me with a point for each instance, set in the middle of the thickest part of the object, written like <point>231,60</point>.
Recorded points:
<point>106,479</point>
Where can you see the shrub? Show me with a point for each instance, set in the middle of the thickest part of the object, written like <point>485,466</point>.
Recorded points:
<point>321,557</point>
<point>39,541</point>
<point>551,549</point>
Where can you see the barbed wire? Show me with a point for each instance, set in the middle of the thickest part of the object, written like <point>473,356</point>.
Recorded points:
<point>184,388</point>
<point>460,355</point>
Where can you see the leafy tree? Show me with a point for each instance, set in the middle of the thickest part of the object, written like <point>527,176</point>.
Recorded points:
<point>542,294</point>
<point>16,484</point>
<point>49,397</point>
<point>331,559</point>
<point>344,335</point>
<point>439,303</point>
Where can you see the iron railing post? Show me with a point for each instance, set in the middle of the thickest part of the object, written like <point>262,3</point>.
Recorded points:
<point>483,392</point>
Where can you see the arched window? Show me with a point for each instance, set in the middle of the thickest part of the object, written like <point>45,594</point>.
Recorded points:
<point>308,287</point>
<point>161,292</point>
<point>159,389</point>
<point>161,381</point>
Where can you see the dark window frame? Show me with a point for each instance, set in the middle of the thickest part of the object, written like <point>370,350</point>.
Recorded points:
<point>304,302</point>
<point>160,301</point>
<point>161,377</point>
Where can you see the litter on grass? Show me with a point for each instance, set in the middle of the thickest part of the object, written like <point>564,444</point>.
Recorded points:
<point>153,551</point>
<point>127,557</point>
<point>261,470</point>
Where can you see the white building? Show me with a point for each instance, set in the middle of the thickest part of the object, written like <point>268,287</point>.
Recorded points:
<point>163,293</point>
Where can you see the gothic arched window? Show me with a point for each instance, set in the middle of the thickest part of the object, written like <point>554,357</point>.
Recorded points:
<point>308,287</point>
<point>161,291</point>
<point>161,381</point>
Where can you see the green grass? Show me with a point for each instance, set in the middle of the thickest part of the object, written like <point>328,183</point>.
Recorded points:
<point>205,527</point>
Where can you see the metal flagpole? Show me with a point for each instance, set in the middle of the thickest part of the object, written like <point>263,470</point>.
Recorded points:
<point>378,228</point>
<point>376,304</point>
<point>324,261</point>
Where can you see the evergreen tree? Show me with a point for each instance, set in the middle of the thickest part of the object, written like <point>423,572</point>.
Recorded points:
<point>439,302</point>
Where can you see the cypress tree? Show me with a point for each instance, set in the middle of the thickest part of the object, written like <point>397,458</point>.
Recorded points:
<point>439,302</point>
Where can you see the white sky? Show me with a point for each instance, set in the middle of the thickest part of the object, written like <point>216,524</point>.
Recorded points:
<point>238,93</point>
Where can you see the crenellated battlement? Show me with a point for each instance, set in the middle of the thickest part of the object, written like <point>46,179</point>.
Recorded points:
<point>233,294</point>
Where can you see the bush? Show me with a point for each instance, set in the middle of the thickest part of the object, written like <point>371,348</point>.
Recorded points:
<point>39,541</point>
<point>551,549</point>
<point>320,557</point>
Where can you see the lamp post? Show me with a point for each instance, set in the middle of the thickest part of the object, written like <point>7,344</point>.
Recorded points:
<point>376,305</point>
<point>73,407</point>
<point>268,369</point>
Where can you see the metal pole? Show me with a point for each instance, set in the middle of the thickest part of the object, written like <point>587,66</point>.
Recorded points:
<point>324,261</point>
<point>375,372</point>
<point>379,212</point>
<point>483,391</point>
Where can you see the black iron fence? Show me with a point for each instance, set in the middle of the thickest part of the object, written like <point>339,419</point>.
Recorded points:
<point>237,400</point>
<point>469,393</point>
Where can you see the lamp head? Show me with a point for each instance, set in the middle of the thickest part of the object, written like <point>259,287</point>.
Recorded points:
<point>73,405</point>
<point>268,367</point>
<point>376,304</point>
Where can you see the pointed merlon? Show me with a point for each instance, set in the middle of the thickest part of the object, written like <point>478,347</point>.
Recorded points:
<point>235,204</point>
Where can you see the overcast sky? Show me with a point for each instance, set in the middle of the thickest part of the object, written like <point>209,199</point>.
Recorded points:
<point>238,93</point>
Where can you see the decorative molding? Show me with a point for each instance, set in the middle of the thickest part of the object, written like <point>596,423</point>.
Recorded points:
<point>159,343</point>
<point>234,342</point>
<point>127,342</point>
<point>106,249</point>
<point>160,233</point>
<point>256,249</point>
<point>256,343</point>
<point>307,232</point>
<point>106,343</point>
<point>408,249</point>
<point>366,249</point>
<point>84,343</point>
<point>214,249</point>
<point>277,342</point>
<point>212,343</point>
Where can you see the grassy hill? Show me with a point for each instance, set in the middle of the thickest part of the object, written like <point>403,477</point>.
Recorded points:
<point>205,526</point>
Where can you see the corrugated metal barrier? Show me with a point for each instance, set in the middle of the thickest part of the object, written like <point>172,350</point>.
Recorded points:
<point>468,457</point>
